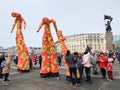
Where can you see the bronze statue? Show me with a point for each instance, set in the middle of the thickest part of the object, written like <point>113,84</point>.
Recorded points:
<point>108,26</point>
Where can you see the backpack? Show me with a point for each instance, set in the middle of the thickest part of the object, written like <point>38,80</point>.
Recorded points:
<point>3,64</point>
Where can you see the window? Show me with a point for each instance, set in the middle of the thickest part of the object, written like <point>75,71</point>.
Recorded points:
<point>98,41</point>
<point>101,40</point>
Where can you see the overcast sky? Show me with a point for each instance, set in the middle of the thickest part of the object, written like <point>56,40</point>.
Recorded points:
<point>72,17</point>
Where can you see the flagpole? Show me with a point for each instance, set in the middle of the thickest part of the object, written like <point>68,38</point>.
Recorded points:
<point>105,22</point>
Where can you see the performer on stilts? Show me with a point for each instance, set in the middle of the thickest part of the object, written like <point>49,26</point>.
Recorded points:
<point>23,61</point>
<point>64,49</point>
<point>49,65</point>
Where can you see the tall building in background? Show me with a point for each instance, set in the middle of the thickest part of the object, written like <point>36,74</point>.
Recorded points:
<point>116,39</point>
<point>79,42</point>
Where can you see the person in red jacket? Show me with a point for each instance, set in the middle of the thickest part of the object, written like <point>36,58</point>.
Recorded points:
<point>102,62</point>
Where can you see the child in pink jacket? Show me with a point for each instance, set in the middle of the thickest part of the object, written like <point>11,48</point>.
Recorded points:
<point>110,68</point>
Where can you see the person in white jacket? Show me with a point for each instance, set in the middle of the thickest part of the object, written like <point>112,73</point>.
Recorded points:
<point>87,65</point>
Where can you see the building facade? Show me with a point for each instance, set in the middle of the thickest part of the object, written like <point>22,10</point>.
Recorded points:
<point>79,42</point>
<point>2,50</point>
<point>34,50</point>
<point>13,50</point>
<point>116,39</point>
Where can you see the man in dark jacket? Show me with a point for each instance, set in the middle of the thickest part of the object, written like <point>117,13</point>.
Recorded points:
<point>59,59</point>
<point>71,61</point>
<point>118,57</point>
<point>40,60</point>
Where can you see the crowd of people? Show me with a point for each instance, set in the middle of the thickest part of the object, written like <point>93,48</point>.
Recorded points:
<point>33,60</point>
<point>90,62</point>
<point>99,62</point>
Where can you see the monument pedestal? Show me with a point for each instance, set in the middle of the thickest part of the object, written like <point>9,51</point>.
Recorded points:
<point>109,41</point>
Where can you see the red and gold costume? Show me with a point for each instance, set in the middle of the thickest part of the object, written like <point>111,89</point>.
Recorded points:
<point>23,61</point>
<point>49,54</point>
<point>64,49</point>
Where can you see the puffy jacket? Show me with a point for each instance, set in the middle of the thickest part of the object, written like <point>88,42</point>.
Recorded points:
<point>110,64</point>
<point>33,58</point>
<point>6,69</point>
<point>86,60</point>
<point>70,59</point>
<point>102,61</point>
<point>79,61</point>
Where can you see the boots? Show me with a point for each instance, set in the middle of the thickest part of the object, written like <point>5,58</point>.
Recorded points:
<point>77,85</point>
